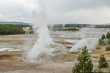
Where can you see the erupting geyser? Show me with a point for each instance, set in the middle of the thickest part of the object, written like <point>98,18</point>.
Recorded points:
<point>43,40</point>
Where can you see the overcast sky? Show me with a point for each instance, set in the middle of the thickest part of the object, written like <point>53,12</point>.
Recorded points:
<point>58,11</point>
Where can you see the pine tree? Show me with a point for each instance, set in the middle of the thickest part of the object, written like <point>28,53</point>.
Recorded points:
<point>101,42</point>
<point>102,62</point>
<point>108,35</point>
<point>84,63</point>
<point>103,37</point>
<point>109,41</point>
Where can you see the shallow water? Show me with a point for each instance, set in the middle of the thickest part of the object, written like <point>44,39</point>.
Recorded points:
<point>19,41</point>
<point>78,35</point>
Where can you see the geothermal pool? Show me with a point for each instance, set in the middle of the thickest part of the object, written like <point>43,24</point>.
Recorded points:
<point>18,41</point>
<point>83,33</point>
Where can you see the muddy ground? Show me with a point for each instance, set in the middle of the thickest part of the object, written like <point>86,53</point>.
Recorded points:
<point>11,64</point>
<point>6,67</point>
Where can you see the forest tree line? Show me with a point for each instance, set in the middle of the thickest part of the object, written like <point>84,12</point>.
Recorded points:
<point>12,29</point>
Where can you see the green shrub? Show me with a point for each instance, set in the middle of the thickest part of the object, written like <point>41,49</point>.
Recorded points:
<point>108,35</point>
<point>11,29</point>
<point>101,42</point>
<point>108,41</point>
<point>103,37</point>
<point>102,62</point>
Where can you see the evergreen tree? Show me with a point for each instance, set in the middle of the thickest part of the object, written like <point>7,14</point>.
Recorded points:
<point>108,35</point>
<point>84,63</point>
<point>103,37</point>
<point>102,62</point>
<point>101,42</point>
<point>108,41</point>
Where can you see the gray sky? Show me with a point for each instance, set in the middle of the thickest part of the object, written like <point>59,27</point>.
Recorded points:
<point>58,11</point>
<point>16,9</point>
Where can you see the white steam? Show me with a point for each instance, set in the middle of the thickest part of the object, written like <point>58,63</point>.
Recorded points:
<point>90,43</point>
<point>43,40</point>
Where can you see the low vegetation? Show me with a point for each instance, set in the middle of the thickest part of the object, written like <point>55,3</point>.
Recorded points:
<point>102,62</point>
<point>66,27</point>
<point>12,29</point>
<point>105,39</point>
<point>85,64</point>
